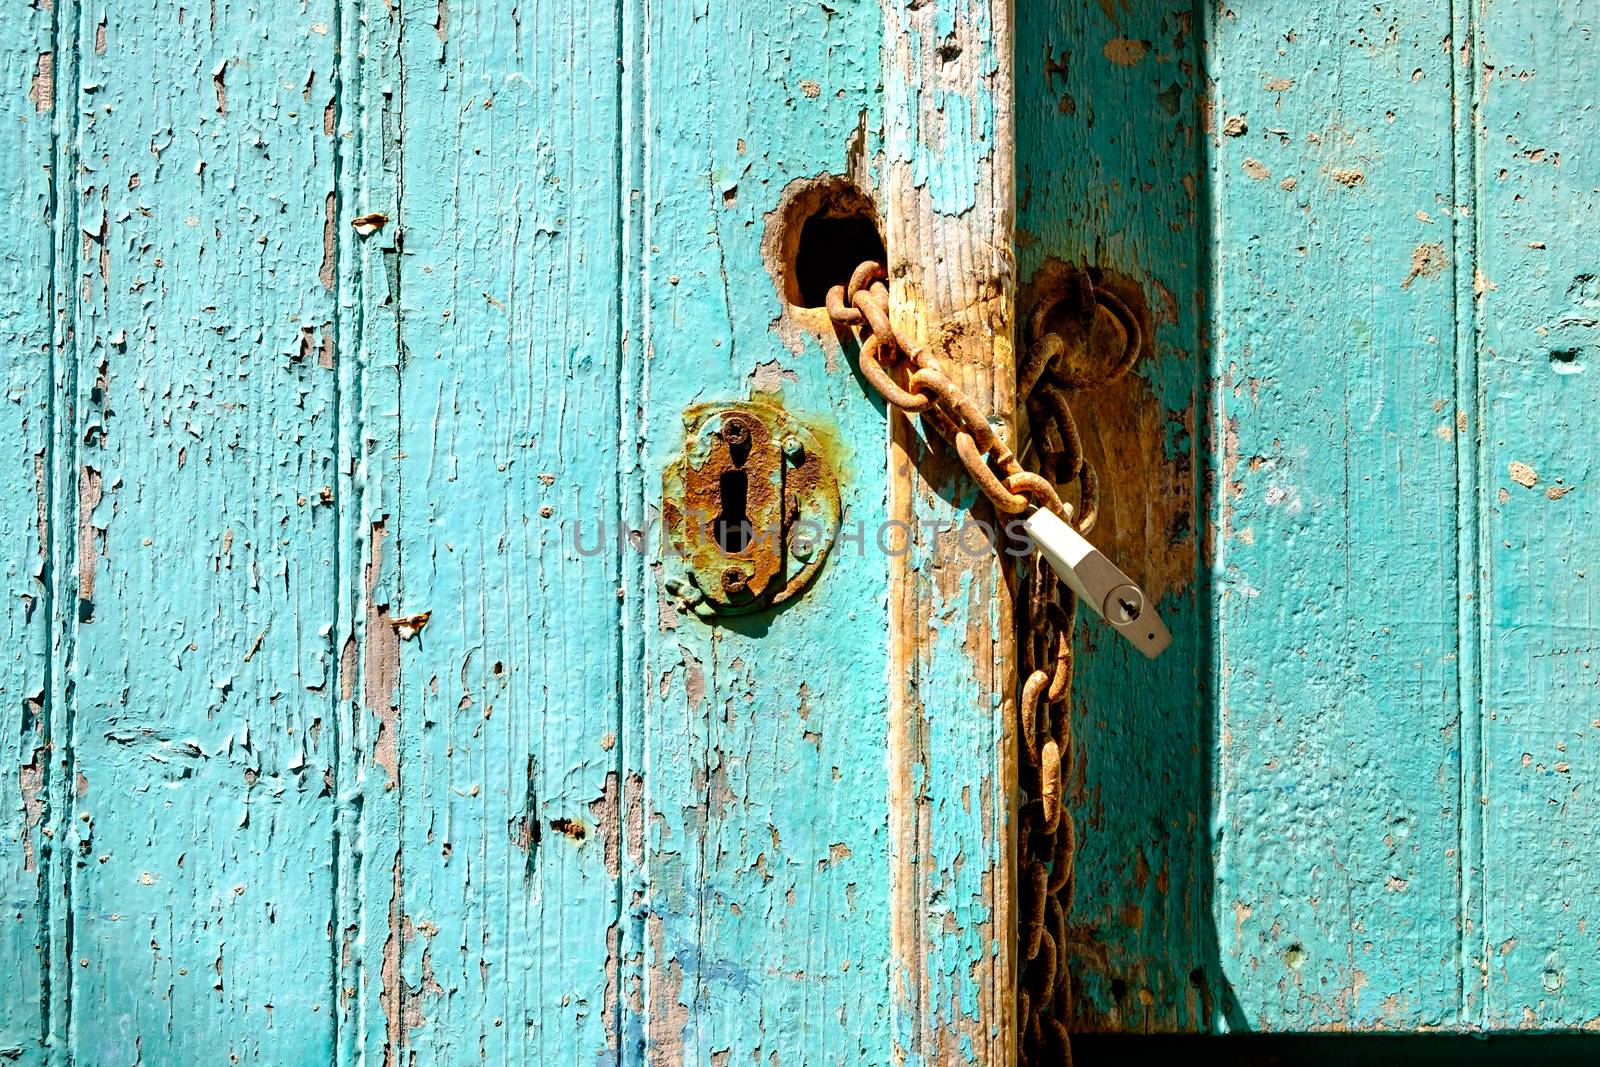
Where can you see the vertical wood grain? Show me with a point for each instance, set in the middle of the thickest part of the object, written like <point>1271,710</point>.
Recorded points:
<point>1400,314</point>
<point>1336,418</point>
<point>1536,320</point>
<point>759,906</point>
<point>499,734</point>
<point>61,476</point>
<point>366,796</point>
<point>370,123</point>
<point>330,737</point>
<point>27,110</point>
<point>948,206</point>
<point>197,525</point>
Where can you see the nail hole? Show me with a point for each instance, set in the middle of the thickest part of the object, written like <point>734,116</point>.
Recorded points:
<point>1566,361</point>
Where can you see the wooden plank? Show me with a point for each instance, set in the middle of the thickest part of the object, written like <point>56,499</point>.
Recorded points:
<point>27,109</point>
<point>263,810</point>
<point>499,735</point>
<point>61,502</point>
<point>197,531</point>
<point>948,208</point>
<point>1527,79</point>
<point>1333,459</point>
<point>369,120</point>
<point>1111,174</point>
<point>759,905</point>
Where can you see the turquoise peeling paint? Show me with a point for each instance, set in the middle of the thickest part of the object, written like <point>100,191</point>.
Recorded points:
<point>27,248</point>
<point>948,173</point>
<point>504,857</point>
<point>1361,231</point>
<point>1341,877</point>
<point>328,742</point>
<point>1537,188</point>
<point>757,908</point>
<point>944,144</point>
<point>190,892</point>
<point>950,200</point>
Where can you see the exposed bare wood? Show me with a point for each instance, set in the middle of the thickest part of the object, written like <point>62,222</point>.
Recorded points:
<point>948,206</point>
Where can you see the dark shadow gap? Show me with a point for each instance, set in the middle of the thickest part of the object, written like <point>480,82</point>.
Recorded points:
<point>1315,1050</point>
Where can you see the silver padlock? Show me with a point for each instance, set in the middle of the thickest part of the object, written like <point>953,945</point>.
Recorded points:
<point>1098,582</point>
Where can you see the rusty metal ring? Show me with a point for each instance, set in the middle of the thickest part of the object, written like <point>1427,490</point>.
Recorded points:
<point>933,382</point>
<point>1042,309</point>
<point>1040,356</point>
<point>875,311</point>
<point>1037,486</point>
<point>1064,862</point>
<point>1061,676</point>
<point>1053,402</point>
<point>1003,499</point>
<point>864,274</point>
<point>1045,960</point>
<point>841,312</point>
<point>916,355</point>
<point>1031,691</point>
<point>1130,324</point>
<point>935,416</point>
<point>1088,498</point>
<point>1033,908</point>
<point>1050,785</point>
<point>1060,369</point>
<point>966,414</point>
<point>883,383</point>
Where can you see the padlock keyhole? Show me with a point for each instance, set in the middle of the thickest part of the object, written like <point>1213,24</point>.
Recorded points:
<point>731,528</point>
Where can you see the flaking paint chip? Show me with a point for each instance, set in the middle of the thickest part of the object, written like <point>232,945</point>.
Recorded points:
<point>409,626</point>
<point>1124,51</point>
<point>1428,260</point>
<point>369,223</point>
<point>1522,474</point>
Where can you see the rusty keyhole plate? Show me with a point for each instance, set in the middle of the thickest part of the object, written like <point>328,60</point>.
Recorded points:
<point>750,508</point>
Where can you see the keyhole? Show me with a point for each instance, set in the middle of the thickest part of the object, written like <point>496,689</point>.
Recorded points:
<point>731,528</point>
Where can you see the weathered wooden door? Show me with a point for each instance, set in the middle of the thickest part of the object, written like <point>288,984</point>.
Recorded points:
<point>348,716</point>
<point>1358,798</point>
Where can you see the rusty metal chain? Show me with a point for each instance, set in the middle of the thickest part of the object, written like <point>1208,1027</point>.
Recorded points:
<point>1046,610</point>
<point>930,393</point>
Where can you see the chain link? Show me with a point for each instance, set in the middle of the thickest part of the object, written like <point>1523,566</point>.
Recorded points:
<point>1046,610</point>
